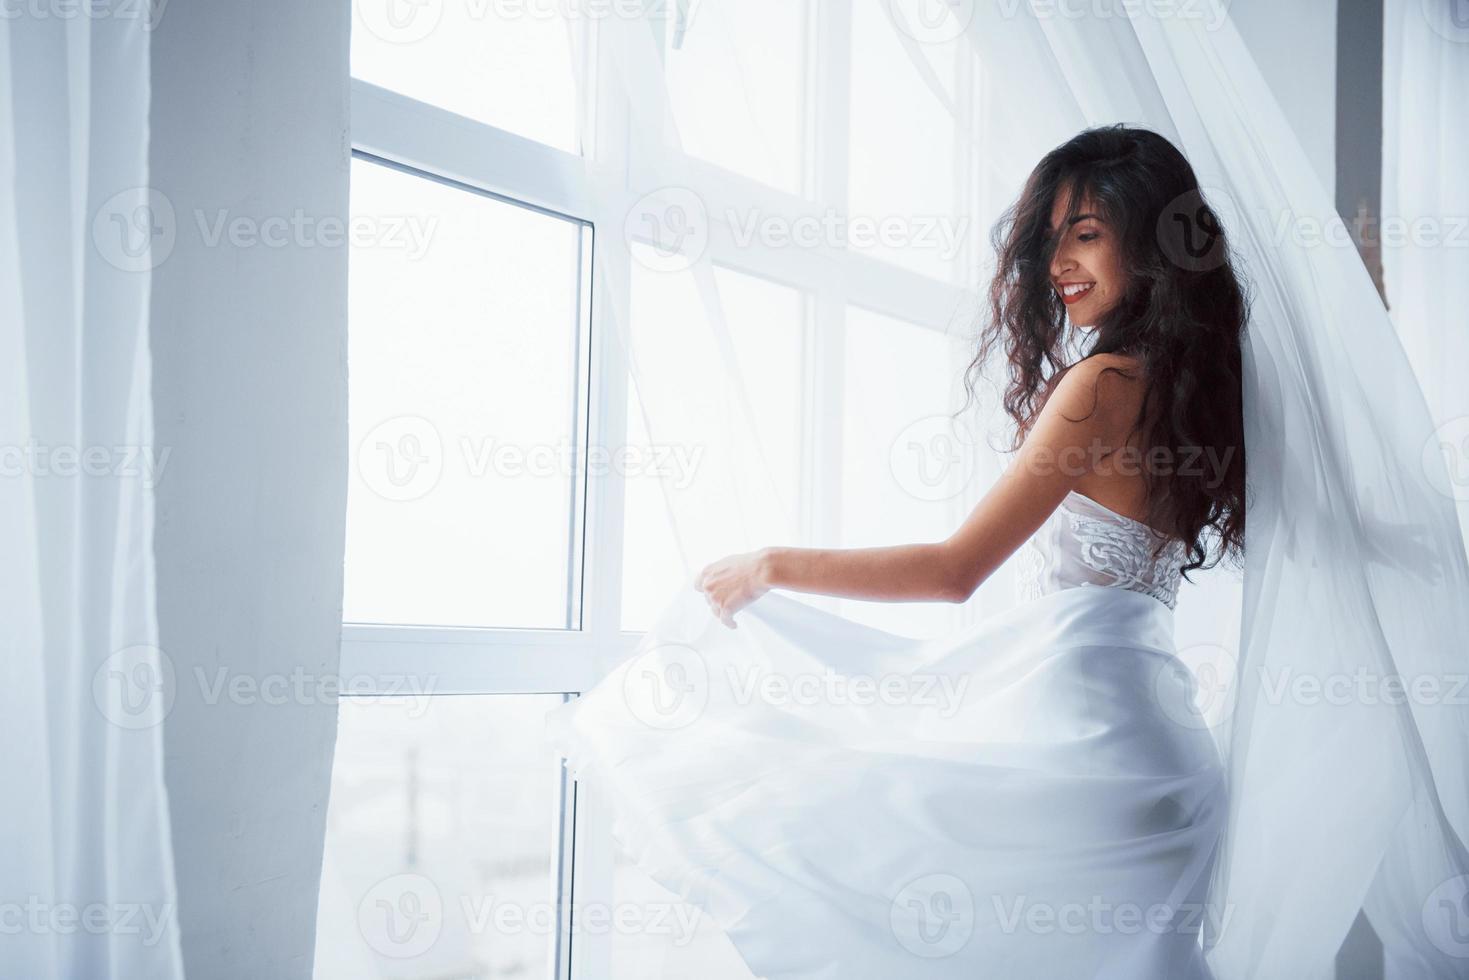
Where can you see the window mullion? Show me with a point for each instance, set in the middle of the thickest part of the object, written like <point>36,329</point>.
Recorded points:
<point>828,129</point>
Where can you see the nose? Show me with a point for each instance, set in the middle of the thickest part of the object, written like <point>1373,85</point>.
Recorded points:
<point>1061,262</point>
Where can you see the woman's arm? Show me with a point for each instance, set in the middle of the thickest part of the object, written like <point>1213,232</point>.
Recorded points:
<point>1088,415</point>
<point>898,573</point>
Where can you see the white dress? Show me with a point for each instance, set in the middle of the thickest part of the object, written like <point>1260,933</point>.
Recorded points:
<point>1032,798</point>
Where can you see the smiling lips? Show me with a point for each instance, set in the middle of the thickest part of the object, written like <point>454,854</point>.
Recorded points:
<point>1073,291</point>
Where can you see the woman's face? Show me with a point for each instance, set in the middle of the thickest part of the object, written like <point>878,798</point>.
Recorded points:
<point>1086,269</point>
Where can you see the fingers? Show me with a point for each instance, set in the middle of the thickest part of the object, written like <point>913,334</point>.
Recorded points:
<point>718,597</point>
<point>720,613</point>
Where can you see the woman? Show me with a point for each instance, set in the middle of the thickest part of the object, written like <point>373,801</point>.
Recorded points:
<point>1035,797</point>
<point>1148,424</point>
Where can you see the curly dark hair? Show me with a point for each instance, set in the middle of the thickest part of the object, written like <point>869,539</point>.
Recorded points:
<point>1181,317</point>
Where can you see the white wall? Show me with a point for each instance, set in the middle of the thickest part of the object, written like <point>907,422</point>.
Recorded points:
<point>249,119</point>
<point>1295,46</point>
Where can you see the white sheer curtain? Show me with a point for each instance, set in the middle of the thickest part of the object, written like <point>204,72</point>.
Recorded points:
<point>86,873</point>
<point>1425,207</point>
<point>1344,795</point>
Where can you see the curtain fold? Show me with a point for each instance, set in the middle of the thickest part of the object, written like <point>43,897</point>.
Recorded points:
<point>86,877</point>
<point>1424,225</point>
<point>1355,578</point>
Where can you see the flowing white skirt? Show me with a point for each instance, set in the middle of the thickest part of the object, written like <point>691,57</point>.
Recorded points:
<point>1034,798</point>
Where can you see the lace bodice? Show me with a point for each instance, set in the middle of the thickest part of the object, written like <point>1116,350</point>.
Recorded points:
<point>1083,543</point>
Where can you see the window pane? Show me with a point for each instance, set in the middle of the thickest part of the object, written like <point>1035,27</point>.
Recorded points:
<point>511,65</point>
<point>746,481</point>
<point>463,360</point>
<point>736,81</point>
<point>902,164</point>
<point>439,844</point>
<point>904,467</point>
<point>688,943</point>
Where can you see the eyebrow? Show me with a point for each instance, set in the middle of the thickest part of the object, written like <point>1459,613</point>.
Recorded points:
<point>1083,217</point>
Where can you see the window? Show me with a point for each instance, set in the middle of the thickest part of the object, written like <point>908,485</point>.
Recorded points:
<point>905,461</point>
<point>464,358</point>
<point>735,81</point>
<point>766,325</point>
<point>894,172</point>
<point>496,563</point>
<point>512,65</point>
<point>439,862</point>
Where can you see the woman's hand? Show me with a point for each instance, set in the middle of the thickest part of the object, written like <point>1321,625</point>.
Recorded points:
<point>732,583</point>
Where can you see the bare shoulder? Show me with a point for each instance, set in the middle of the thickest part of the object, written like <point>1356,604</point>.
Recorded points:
<point>1104,390</point>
